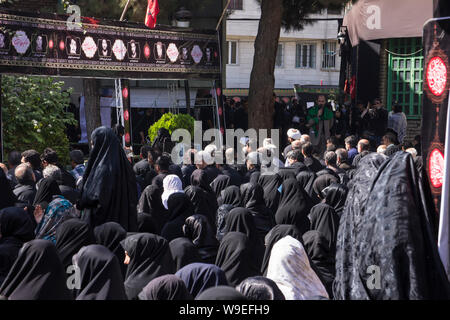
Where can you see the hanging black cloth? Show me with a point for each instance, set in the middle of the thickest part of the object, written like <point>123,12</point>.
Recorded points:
<point>252,196</point>
<point>109,190</point>
<point>220,183</point>
<point>351,224</point>
<point>180,207</point>
<point>101,277</point>
<point>271,183</point>
<point>230,199</point>
<point>395,235</point>
<point>322,256</point>
<point>7,198</point>
<point>221,293</point>
<point>183,252</point>
<point>294,206</point>
<point>260,288</point>
<point>199,231</point>
<point>167,287</point>
<point>48,188</point>
<point>150,257</point>
<point>278,232</point>
<point>37,274</point>
<point>109,235</point>
<point>235,258</point>
<point>336,196</point>
<point>71,236</point>
<point>16,228</point>
<point>150,202</point>
<point>200,276</point>
<point>325,220</point>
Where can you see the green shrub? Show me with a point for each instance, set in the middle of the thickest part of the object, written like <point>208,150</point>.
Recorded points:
<point>172,122</point>
<point>34,115</point>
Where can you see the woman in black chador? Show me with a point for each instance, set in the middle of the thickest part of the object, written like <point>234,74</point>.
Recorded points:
<point>109,190</point>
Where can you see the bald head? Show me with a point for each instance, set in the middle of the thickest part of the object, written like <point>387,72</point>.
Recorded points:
<point>24,174</point>
<point>305,138</point>
<point>296,145</point>
<point>363,145</point>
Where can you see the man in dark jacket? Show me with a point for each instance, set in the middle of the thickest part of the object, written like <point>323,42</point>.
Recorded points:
<point>25,190</point>
<point>49,156</point>
<point>312,163</point>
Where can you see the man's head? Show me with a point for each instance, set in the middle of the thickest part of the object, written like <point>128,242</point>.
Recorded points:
<point>331,147</point>
<point>296,145</point>
<point>32,157</point>
<point>381,148</point>
<point>350,142</point>
<point>133,46</point>
<point>377,103</point>
<point>305,138</point>
<point>307,149</point>
<point>104,44</point>
<point>389,138</point>
<point>143,154</point>
<point>341,156</point>
<point>321,100</point>
<point>360,105</point>
<point>253,160</point>
<point>294,156</point>
<point>189,157</point>
<point>363,145</point>
<point>293,134</point>
<point>330,158</point>
<point>49,156</point>
<point>52,171</point>
<point>162,164</point>
<point>76,157</point>
<point>397,108</point>
<point>24,174</point>
<point>229,156</point>
<point>14,158</point>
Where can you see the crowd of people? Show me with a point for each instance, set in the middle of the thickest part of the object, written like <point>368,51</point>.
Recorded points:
<point>354,220</point>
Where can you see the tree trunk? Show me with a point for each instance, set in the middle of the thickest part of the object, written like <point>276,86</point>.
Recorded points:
<point>91,106</point>
<point>262,79</point>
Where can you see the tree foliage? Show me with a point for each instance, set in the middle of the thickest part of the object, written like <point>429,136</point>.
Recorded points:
<point>172,122</point>
<point>34,115</point>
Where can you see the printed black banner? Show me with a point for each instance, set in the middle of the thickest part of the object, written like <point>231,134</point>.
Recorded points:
<point>50,45</point>
<point>436,40</point>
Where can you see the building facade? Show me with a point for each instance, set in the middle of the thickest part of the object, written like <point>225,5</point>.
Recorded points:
<point>308,57</point>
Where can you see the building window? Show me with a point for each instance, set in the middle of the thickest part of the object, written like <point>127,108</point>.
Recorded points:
<point>279,60</point>
<point>305,55</point>
<point>232,52</point>
<point>236,5</point>
<point>405,76</point>
<point>329,55</point>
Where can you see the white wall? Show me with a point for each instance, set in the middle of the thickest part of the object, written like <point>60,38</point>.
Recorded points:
<point>238,76</point>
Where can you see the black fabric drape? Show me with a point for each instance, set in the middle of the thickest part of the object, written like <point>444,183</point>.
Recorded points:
<point>294,206</point>
<point>150,258</point>
<point>150,202</point>
<point>37,274</point>
<point>306,180</point>
<point>167,287</point>
<point>200,276</point>
<point>180,207</point>
<point>71,236</point>
<point>101,277</point>
<point>109,190</point>
<point>270,184</point>
<point>230,195</point>
<point>199,231</point>
<point>204,203</point>
<point>183,252</point>
<point>336,196</point>
<point>322,182</point>
<point>109,235</point>
<point>47,189</point>
<point>146,223</point>
<point>220,183</point>
<point>325,220</point>
<point>7,198</point>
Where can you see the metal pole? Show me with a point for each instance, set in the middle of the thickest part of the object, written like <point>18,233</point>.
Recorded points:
<point>187,91</point>
<point>223,14</point>
<point>125,10</point>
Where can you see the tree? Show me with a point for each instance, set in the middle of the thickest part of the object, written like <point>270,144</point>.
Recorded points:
<point>34,114</point>
<point>274,14</point>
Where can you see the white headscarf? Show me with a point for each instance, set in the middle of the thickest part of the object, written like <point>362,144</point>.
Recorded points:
<point>171,184</point>
<point>289,267</point>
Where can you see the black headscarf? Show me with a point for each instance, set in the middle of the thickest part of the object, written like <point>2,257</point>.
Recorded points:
<point>109,235</point>
<point>231,195</point>
<point>7,198</point>
<point>167,287</point>
<point>37,274</point>
<point>199,231</point>
<point>204,203</point>
<point>109,190</point>
<point>220,183</point>
<point>306,180</point>
<point>235,258</point>
<point>278,232</point>
<point>230,198</point>
<point>146,223</point>
<point>221,293</point>
<point>48,188</point>
<point>183,252</point>
<point>260,288</point>
<point>322,256</point>
<point>294,206</point>
<point>150,258</point>
<point>200,276</point>
<point>252,196</point>
<point>325,220</point>
<point>71,236</point>
<point>336,196</point>
<point>150,202</point>
<point>270,184</point>
<point>101,277</point>
<point>180,207</point>
<point>322,182</point>
<point>16,228</point>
